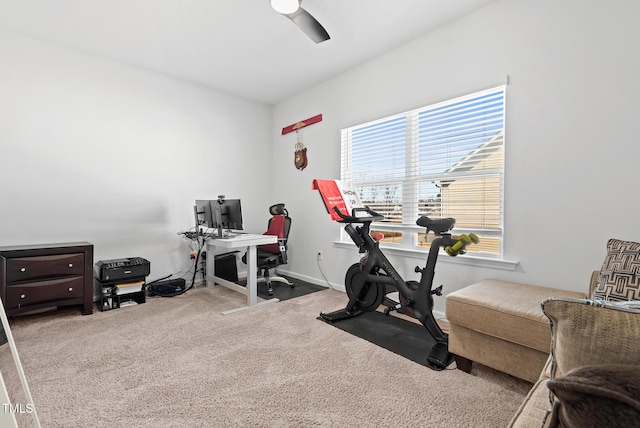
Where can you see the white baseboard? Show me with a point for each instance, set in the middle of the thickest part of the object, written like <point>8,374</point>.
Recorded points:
<point>311,279</point>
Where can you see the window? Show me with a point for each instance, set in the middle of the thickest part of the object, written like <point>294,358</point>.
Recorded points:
<point>443,160</point>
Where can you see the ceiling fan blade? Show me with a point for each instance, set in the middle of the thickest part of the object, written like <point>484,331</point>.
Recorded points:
<point>309,25</point>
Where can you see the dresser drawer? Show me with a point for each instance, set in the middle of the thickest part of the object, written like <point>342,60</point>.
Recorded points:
<point>29,293</point>
<point>30,268</point>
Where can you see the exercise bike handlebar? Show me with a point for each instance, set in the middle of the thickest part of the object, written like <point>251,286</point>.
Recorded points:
<point>353,218</point>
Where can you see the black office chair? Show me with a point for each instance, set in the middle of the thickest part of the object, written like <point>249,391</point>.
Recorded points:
<point>272,255</point>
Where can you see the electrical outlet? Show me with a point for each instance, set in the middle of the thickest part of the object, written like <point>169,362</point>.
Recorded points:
<point>320,255</point>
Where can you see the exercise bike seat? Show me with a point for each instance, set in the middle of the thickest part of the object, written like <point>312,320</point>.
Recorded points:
<point>438,225</point>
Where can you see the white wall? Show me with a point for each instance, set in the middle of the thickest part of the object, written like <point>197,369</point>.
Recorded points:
<point>95,150</point>
<point>571,141</point>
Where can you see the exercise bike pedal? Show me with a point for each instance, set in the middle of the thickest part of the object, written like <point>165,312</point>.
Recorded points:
<point>437,291</point>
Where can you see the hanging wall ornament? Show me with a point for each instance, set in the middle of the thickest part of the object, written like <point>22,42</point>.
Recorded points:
<point>300,159</point>
<point>300,156</point>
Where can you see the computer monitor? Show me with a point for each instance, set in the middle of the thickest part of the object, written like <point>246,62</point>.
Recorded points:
<point>227,214</point>
<point>203,213</point>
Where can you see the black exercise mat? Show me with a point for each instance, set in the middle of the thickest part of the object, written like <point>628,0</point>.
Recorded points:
<point>402,337</point>
<point>283,291</point>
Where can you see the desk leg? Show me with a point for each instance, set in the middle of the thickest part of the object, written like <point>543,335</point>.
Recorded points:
<point>252,280</point>
<point>251,290</point>
<point>210,266</point>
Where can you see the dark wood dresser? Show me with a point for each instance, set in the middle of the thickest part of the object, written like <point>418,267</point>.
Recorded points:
<point>41,276</point>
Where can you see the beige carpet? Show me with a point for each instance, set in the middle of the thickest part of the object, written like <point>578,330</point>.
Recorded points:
<point>177,362</point>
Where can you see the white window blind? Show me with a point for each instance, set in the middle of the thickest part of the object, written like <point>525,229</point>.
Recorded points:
<point>442,160</point>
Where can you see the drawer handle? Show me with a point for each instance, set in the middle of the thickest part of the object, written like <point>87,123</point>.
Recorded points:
<point>24,269</point>
<point>70,265</point>
<point>70,288</point>
<point>22,296</point>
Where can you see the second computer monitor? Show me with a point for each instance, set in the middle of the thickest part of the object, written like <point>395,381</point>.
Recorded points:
<point>227,214</point>
<point>204,213</point>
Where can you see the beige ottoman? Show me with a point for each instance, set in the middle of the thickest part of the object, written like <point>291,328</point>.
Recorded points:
<point>500,324</point>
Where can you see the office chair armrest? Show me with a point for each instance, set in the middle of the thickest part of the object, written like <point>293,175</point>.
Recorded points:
<point>282,244</point>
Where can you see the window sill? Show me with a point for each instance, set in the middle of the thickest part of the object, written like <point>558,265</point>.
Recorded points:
<point>467,259</point>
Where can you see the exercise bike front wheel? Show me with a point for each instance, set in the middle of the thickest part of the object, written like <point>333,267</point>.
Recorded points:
<point>370,295</point>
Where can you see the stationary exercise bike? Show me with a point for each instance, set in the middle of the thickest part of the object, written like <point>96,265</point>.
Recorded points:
<point>373,277</point>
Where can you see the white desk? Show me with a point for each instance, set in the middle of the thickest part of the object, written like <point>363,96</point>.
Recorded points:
<point>249,242</point>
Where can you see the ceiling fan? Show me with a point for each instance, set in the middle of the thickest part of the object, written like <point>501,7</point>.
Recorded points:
<point>303,19</point>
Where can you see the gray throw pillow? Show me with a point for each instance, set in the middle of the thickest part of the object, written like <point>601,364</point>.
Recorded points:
<point>597,396</point>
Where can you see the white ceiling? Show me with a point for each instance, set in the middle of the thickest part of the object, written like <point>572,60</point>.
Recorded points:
<point>242,47</point>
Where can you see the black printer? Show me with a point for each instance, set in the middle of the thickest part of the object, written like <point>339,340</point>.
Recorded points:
<point>122,269</point>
